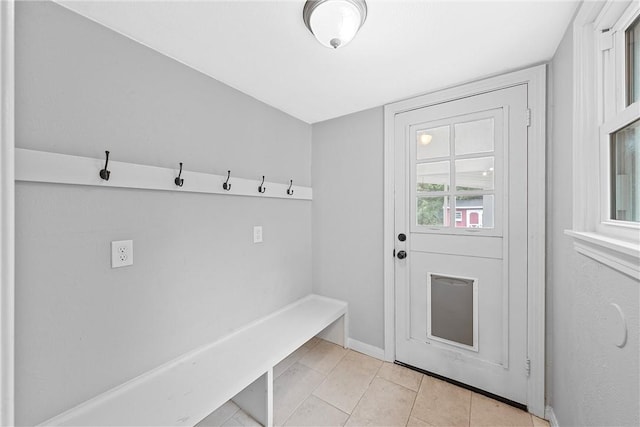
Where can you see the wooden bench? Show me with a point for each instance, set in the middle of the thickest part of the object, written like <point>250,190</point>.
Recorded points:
<point>238,367</point>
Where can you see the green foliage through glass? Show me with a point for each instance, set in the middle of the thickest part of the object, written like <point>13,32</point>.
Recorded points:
<point>430,210</point>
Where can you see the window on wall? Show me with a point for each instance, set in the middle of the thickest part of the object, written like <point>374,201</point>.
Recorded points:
<point>606,134</point>
<point>624,152</point>
<point>632,41</point>
<point>624,203</point>
<point>620,118</point>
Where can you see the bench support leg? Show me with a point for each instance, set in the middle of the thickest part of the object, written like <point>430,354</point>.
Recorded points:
<point>257,399</point>
<point>336,332</point>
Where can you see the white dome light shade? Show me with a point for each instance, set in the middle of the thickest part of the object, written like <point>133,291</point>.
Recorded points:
<point>334,22</point>
<point>425,138</point>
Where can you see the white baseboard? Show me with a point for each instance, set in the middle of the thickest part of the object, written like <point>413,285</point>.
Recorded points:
<point>364,348</point>
<point>551,416</point>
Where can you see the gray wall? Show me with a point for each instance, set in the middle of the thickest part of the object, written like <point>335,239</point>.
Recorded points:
<point>347,174</point>
<point>590,380</point>
<point>83,327</point>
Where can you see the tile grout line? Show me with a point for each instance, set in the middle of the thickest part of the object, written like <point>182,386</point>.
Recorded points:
<point>414,403</point>
<point>470,408</point>
<point>376,374</point>
<point>316,387</point>
<point>293,363</point>
<point>305,399</point>
<point>232,415</point>
<point>322,373</point>
<point>333,406</point>
<point>365,392</point>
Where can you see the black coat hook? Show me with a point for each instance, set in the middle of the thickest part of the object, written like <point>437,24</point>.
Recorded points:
<point>226,185</point>
<point>289,190</point>
<point>179,181</point>
<point>104,173</point>
<point>261,187</point>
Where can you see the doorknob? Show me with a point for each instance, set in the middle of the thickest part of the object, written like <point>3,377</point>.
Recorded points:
<point>402,255</point>
<point>402,237</point>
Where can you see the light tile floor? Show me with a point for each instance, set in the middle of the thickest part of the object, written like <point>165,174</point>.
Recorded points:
<point>322,384</point>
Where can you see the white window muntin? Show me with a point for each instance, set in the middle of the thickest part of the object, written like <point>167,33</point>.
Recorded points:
<point>499,116</point>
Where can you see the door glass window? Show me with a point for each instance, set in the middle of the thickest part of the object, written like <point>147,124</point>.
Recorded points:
<point>455,170</point>
<point>475,211</point>
<point>474,137</point>
<point>433,176</point>
<point>474,174</point>
<point>433,211</point>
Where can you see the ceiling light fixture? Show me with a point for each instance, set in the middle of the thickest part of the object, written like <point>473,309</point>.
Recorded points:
<point>425,138</point>
<point>334,22</point>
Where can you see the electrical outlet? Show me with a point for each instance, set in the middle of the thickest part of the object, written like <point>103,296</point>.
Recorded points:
<point>257,234</point>
<point>121,253</point>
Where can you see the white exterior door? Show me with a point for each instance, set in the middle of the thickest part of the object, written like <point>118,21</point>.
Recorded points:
<point>461,240</point>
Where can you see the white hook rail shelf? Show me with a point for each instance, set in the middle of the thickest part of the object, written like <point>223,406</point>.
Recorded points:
<point>42,166</point>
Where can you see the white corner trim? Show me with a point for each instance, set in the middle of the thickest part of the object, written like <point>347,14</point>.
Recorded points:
<point>536,245</point>
<point>551,417</point>
<point>7,232</point>
<point>368,349</point>
<point>617,254</point>
<point>388,235</point>
<point>41,166</point>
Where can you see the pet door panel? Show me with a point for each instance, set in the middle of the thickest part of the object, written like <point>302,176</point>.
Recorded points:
<point>452,309</point>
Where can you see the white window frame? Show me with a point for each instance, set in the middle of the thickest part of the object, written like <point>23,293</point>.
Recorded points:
<point>599,110</point>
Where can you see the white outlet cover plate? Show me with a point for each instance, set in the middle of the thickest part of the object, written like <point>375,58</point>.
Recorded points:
<point>257,234</point>
<point>121,253</point>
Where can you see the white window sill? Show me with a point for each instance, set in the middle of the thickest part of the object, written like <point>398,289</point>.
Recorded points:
<point>618,254</point>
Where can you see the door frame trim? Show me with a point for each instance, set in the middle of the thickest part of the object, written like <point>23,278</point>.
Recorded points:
<point>7,216</point>
<point>535,78</point>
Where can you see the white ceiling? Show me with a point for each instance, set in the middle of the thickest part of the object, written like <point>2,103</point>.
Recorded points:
<point>405,48</point>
